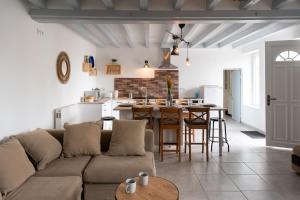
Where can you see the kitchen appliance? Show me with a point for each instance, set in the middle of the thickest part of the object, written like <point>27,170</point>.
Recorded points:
<point>95,93</point>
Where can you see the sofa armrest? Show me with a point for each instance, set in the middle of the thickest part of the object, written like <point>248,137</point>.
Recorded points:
<point>149,140</point>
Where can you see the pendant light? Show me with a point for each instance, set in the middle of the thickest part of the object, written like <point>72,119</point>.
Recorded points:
<point>187,60</point>
<point>146,65</point>
<point>175,51</point>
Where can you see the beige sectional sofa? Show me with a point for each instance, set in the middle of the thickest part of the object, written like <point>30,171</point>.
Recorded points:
<point>85,177</point>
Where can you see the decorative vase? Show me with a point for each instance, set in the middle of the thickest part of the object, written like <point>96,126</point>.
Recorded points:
<point>169,98</point>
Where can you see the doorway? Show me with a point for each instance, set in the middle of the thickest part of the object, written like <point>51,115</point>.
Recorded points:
<point>283,93</point>
<point>232,93</point>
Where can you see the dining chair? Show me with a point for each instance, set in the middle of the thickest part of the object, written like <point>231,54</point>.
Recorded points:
<point>143,113</point>
<point>170,119</point>
<point>198,119</point>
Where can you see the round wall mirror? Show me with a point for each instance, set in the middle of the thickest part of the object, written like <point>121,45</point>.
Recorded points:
<point>63,67</point>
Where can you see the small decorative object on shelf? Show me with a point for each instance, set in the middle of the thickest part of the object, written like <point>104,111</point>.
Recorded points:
<point>169,88</point>
<point>93,70</point>
<point>86,65</point>
<point>114,68</point>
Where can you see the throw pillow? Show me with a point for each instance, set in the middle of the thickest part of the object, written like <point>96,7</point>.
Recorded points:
<point>40,146</point>
<point>82,139</point>
<point>128,138</point>
<point>15,166</point>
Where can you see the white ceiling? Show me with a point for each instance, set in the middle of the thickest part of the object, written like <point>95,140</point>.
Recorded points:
<point>89,19</point>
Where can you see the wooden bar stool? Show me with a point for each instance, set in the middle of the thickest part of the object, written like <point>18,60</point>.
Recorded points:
<point>170,118</point>
<point>198,119</point>
<point>140,113</point>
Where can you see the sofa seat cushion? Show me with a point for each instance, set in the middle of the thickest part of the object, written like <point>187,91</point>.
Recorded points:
<point>65,167</point>
<point>115,169</point>
<point>48,188</point>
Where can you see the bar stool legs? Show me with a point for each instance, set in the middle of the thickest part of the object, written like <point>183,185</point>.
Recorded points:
<point>161,144</point>
<point>212,137</point>
<point>190,145</point>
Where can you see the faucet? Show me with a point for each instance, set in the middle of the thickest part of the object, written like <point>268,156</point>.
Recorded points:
<point>145,94</point>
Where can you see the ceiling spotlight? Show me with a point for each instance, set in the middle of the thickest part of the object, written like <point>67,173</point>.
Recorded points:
<point>146,65</point>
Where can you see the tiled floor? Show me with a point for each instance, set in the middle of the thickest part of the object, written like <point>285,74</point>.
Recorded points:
<point>250,171</point>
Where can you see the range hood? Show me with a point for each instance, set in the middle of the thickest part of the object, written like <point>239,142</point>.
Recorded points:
<point>166,62</point>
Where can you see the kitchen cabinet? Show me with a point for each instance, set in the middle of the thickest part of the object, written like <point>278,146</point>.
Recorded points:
<point>90,112</point>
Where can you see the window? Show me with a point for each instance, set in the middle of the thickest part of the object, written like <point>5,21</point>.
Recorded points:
<point>288,56</point>
<point>255,79</point>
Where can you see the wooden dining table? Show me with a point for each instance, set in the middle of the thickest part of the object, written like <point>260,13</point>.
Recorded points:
<point>125,112</point>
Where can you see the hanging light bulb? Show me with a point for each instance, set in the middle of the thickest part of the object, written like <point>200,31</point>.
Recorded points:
<point>187,60</point>
<point>146,65</point>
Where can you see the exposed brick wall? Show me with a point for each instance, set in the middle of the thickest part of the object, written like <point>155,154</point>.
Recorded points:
<point>156,87</point>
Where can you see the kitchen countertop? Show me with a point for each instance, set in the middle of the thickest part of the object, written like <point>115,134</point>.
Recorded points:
<point>156,107</point>
<point>104,100</point>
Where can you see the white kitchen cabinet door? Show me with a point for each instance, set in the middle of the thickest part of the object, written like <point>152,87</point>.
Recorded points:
<point>90,112</point>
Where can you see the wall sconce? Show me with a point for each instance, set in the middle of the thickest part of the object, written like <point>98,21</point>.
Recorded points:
<point>146,65</point>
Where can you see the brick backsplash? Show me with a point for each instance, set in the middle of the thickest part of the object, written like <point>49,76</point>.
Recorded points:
<point>156,87</point>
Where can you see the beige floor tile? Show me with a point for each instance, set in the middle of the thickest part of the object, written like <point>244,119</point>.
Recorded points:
<point>226,196</point>
<point>250,182</point>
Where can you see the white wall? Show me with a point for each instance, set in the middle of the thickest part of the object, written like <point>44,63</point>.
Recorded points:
<point>132,62</point>
<point>29,86</point>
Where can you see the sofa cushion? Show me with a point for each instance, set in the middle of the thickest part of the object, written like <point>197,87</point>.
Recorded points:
<point>82,139</point>
<point>40,146</point>
<point>15,166</point>
<point>49,188</point>
<point>65,167</point>
<point>128,138</point>
<point>105,191</point>
<point>115,169</point>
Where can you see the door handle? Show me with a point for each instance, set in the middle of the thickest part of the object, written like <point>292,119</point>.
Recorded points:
<point>269,99</point>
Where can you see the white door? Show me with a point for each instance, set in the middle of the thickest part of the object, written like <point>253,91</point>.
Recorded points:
<point>283,93</point>
<point>236,95</point>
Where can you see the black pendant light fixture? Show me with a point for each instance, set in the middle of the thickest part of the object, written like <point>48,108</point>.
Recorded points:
<point>176,40</point>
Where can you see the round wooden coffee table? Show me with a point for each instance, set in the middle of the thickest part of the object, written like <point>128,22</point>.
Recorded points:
<point>157,189</point>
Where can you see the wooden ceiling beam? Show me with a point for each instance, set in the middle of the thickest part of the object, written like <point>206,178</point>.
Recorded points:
<point>162,17</point>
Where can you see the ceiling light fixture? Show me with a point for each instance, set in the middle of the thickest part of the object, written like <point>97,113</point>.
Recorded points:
<point>146,65</point>
<point>177,39</point>
<point>187,60</point>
